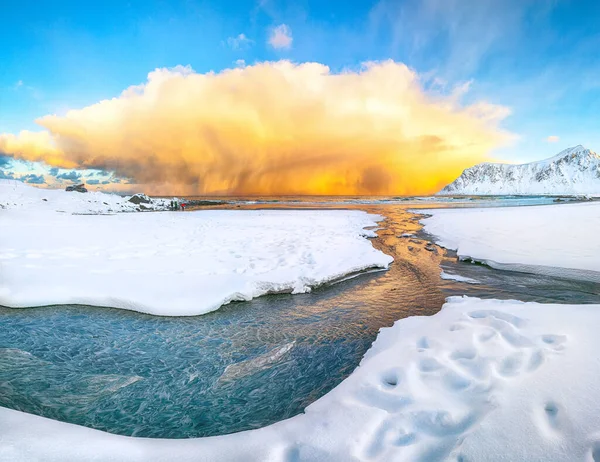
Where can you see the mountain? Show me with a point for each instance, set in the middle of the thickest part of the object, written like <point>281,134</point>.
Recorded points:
<point>574,171</point>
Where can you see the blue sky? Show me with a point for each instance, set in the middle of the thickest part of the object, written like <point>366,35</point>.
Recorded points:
<point>538,57</point>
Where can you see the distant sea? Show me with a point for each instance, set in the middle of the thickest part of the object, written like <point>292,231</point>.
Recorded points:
<point>408,201</point>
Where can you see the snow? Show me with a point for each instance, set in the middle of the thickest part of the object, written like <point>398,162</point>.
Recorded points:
<point>574,171</point>
<point>16,195</point>
<point>560,239</point>
<point>174,263</point>
<point>480,380</point>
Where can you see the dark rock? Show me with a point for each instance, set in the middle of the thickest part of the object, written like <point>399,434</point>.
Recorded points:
<point>431,248</point>
<point>77,187</point>
<point>140,199</point>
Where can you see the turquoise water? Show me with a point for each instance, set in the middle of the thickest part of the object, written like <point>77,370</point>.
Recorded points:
<point>241,367</point>
<point>244,366</point>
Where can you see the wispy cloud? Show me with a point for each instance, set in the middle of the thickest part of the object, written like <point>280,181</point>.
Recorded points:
<point>4,161</point>
<point>240,42</point>
<point>21,87</point>
<point>69,176</point>
<point>281,37</point>
<point>32,179</point>
<point>462,35</point>
<point>553,139</point>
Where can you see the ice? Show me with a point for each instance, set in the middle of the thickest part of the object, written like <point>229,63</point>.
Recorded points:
<point>250,366</point>
<point>559,240</point>
<point>515,382</point>
<point>173,263</point>
<point>458,278</point>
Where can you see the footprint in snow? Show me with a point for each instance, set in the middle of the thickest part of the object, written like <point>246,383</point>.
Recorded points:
<point>464,379</point>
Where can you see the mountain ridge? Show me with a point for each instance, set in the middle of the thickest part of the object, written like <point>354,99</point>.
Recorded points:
<point>573,171</point>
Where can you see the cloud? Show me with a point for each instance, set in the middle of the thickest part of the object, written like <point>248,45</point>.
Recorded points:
<point>4,160</point>
<point>273,128</point>
<point>93,182</point>
<point>34,146</point>
<point>240,42</point>
<point>32,179</point>
<point>553,139</point>
<point>69,176</point>
<point>4,175</point>
<point>281,37</point>
<point>459,35</point>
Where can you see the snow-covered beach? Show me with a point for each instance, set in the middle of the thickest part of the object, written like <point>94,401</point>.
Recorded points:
<point>15,195</point>
<point>170,263</point>
<point>480,380</point>
<point>559,239</point>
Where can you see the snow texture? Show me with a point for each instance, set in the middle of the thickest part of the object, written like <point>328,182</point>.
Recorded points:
<point>574,171</point>
<point>558,240</point>
<point>480,380</point>
<point>16,195</point>
<point>171,263</point>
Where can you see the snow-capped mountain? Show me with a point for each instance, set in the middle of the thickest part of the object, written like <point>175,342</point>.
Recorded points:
<point>574,171</point>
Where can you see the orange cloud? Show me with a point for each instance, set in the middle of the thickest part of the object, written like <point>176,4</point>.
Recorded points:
<point>273,128</point>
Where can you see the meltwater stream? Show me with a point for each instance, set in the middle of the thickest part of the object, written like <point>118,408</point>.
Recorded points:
<point>244,366</point>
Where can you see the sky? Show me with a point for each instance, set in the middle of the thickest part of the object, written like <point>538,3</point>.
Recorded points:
<point>303,97</point>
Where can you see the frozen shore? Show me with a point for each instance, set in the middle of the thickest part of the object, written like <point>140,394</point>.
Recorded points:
<point>480,380</point>
<point>177,263</point>
<point>169,263</point>
<point>558,240</point>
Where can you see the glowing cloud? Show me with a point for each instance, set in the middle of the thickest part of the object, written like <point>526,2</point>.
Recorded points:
<point>553,139</point>
<point>281,37</point>
<point>272,128</point>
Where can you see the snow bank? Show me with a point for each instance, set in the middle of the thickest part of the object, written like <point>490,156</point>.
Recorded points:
<point>480,380</point>
<point>560,239</point>
<point>16,195</point>
<point>177,263</point>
